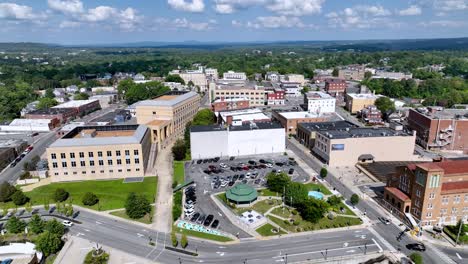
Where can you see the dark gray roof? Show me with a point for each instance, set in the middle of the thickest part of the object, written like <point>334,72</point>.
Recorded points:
<point>322,126</point>
<point>362,132</point>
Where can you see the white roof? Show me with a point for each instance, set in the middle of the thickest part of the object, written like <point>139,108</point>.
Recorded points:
<point>30,122</point>
<point>301,114</point>
<point>318,96</point>
<point>364,96</point>
<point>171,102</point>
<point>75,103</point>
<point>244,115</point>
<point>15,250</point>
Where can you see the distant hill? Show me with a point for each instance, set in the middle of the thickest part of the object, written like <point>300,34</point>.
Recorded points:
<point>339,45</point>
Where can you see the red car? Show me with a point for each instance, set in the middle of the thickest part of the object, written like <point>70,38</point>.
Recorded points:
<point>29,148</point>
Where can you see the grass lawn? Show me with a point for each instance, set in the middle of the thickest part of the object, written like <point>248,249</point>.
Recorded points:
<point>111,193</point>
<point>179,172</point>
<point>261,207</point>
<point>267,192</point>
<point>50,259</point>
<point>147,219</point>
<point>201,235</point>
<point>324,223</point>
<point>318,186</point>
<point>285,213</point>
<point>452,232</point>
<point>265,230</point>
<point>347,211</point>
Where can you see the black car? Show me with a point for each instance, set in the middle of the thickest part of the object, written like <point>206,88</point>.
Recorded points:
<point>257,181</point>
<point>252,162</point>
<point>76,214</point>
<point>291,171</point>
<point>52,209</point>
<point>205,161</point>
<point>199,161</point>
<point>241,177</point>
<point>208,220</point>
<point>279,164</point>
<point>195,217</point>
<point>216,185</point>
<point>207,171</point>
<point>235,178</point>
<point>416,246</point>
<point>231,158</point>
<point>262,161</point>
<point>216,159</point>
<point>13,164</point>
<point>231,183</point>
<point>244,181</point>
<point>215,223</point>
<point>201,220</point>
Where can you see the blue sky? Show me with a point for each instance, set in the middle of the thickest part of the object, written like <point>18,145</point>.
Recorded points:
<point>119,21</point>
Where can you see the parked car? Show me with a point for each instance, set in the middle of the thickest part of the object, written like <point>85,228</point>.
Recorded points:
<point>416,247</point>
<point>241,177</point>
<point>257,181</point>
<point>385,220</point>
<point>20,212</point>
<point>51,209</point>
<point>231,158</point>
<point>201,220</point>
<point>291,171</point>
<point>231,183</point>
<point>215,223</point>
<point>279,164</point>
<point>208,220</point>
<point>216,159</point>
<point>224,184</point>
<point>252,162</point>
<point>67,223</point>
<point>13,164</point>
<point>195,217</point>
<point>199,161</point>
<point>189,206</point>
<point>262,161</point>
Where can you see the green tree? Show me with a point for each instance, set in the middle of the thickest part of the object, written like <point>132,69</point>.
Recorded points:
<point>46,102</point>
<point>277,182</point>
<point>19,198</point>
<point>101,258</point>
<point>48,243</point>
<point>36,225</point>
<point>416,258</point>
<point>313,210</point>
<point>184,241</point>
<point>49,93</point>
<point>179,150</point>
<point>305,90</point>
<point>190,84</point>
<point>90,199</point>
<point>60,195</point>
<point>334,200</point>
<point>204,117</point>
<point>81,96</point>
<point>384,104</point>
<point>367,75</point>
<point>6,191</point>
<point>14,225</point>
<point>175,78</point>
<point>174,239</point>
<point>296,194</point>
<point>54,227</point>
<point>323,172</point>
<point>137,206</point>
<point>335,72</point>
<point>354,199</point>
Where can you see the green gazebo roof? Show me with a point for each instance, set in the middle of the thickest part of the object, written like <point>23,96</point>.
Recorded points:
<point>241,193</point>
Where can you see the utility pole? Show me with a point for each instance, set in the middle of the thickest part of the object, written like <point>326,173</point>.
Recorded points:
<point>365,248</point>
<point>459,230</point>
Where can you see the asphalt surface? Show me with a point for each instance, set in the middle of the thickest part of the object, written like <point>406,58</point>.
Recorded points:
<point>387,232</point>
<point>42,142</point>
<point>134,239</point>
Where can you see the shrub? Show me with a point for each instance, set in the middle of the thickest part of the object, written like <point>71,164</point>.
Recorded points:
<point>101,258</point>
<point>286,221</point>
<point>6,191</point>
<point>137,206</point>
<point>48,243</point>
<point>54,227</point>
<point>277,182</point>
<point>323,173</point>
<point>334,200</point>
<point>184,241</point>
<point>294,212</point>
<point>354,199</point>
<point>174,239</point>
<point>174,184</point>
<point>90,199</point>
<point>179,149</point>
<point>36,225</point>
<point>177,206</point>
<point>19,198</point>
<point>14,225</point>
<point>60,195</point>
<point>416,258</point>
<point>296,223</point>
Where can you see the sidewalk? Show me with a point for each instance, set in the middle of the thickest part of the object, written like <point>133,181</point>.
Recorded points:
<point>162,220</point>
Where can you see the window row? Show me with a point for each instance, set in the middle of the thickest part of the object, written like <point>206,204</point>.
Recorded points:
<point>94,172</point>
<point>92,163</point>
<point>91,154</point>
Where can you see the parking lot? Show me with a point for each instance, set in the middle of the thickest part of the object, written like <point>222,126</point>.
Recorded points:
<point>214,176</point>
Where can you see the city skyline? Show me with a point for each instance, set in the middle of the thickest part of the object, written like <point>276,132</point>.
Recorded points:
<point>102,22</point>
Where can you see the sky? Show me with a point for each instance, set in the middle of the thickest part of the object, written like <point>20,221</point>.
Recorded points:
<point>119,21</point>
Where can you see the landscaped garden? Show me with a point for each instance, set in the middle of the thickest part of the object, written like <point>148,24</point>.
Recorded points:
<point>269,230</point>
<point>452,232</point>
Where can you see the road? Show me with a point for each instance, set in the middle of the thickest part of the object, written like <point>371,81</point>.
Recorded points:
<point>373,212</point>
<point>40,145</point>
<point>134,239</point>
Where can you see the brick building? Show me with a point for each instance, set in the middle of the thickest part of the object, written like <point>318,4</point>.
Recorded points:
<point>371,115</point>
<point>223,104</point>
<point>275,96</point>
<point>440,129</point>
<point>432,193</point>
<point>335,86</point>
<point>62,114</point>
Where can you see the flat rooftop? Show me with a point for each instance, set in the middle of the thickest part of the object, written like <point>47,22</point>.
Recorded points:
<point>51,111</point>
<point>322,126</point>
<point>250,114</point>
<point>318,96</point>
<point>245,127</point>
<point>364,96</point>
<point>74,104</point>
<point>305,114</point>
<point>103,135</point>
<point>166,100</point>
<point>362,133</point>
<point>444,113</point>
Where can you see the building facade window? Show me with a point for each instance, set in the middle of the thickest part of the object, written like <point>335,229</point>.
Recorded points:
<point>137,161</point>
<point>456,199</point>
<point>434,182</point>
<point>82,164</point>
<point>81,154</point>
<point>101,163</point>
<point>53,156</point>
<point>429,206</point>
<point>54,165</point>
<point>73,163</point>
<point>91,163</point>
<point>99,154</point>
<point>62,155</point>
<point>127,161</point>
<point>64,164</point>
<point>117,153</point>
<point>91,154</point>
<point>109,162</point>
<point>127,152</point>
<point>445,199</point>
<point>72,155</point>
<point>119,162</point>
<point>431,195</point>
<point>135,152</point>
<point>109,153</point>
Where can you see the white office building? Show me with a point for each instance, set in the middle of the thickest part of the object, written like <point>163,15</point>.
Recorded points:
<point>248,139</point>
<point>320,102</point>
<point>231,75</point>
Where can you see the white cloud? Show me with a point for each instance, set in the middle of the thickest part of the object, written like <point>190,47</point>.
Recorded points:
<point>184,23</point>
<point>450,5</point>
<point>296,7</point>
<point>236,23</point>
<point>12,11</point>
<point>69,24</point>
<point>66,6</point>
<point>412,10</point>
<point>444,23</point>
<point>231,6</point>
<point>274,22</point>
<point>361,16</point>
<point>189,6</point>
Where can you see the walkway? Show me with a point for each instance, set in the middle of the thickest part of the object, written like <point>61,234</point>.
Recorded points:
<point>163,212</point>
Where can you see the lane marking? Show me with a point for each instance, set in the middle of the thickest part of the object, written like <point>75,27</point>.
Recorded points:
<point>380,248</point>
<point>87,230</point>
<point>320,251</point>
<point>98,223</point>
<point>351,251</point>
<point>458,255</point>
<point>140,235</point>
<point>164,248</point>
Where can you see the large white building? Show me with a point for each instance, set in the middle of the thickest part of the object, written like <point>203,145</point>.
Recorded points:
<point>231,75</point>
<point>248,139</point>
<point>320,102</point>
<point>291,88</point>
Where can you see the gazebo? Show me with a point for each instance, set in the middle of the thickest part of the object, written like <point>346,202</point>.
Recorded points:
<point>241,194</point>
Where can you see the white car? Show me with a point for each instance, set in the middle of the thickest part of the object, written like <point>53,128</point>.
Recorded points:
<point>188,210</point>
<point>222,165</point>
<point>269,165</point>
<point>248,175</point>
<point>188,206</point>
<point>67,223</point>
<point>224,184</point>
